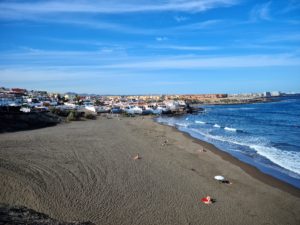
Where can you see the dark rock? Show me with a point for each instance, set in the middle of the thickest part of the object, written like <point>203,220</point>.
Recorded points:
<point>19,215</point>
<point>10,121</point>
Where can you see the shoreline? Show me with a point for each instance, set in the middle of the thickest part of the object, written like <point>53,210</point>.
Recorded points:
<point>249,169</point>
<point>284,176</point>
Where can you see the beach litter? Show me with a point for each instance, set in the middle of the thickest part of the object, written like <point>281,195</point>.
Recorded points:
<point>136,157</point>
<point>201,150</point>
<point>219,178</point>
<point>165,142</point>
<point>222,180</point>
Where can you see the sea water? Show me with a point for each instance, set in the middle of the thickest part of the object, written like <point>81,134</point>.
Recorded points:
<point>265,135</point>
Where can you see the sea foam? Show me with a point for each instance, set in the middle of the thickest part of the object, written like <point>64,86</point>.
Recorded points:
<point>286,159</point>
<point>230,129</point>
<point>181,124</point>
<point>199,122</point>
<point>217,126</point>
<point>253,133</point>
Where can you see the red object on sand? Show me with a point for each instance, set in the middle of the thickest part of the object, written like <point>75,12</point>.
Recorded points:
<point>206,200</point>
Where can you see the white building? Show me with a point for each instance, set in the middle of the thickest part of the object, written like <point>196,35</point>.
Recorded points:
<point>267,94</point>
<point>275,93</point>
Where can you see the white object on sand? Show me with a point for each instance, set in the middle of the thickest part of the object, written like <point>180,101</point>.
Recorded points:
<point>137,157</point>
<point>220,178</point>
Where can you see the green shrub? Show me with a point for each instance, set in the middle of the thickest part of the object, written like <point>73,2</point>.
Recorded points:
<point>60,112</point>
<point>53,110</point>
<point>90,116</point>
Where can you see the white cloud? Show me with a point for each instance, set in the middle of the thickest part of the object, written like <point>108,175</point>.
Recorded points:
<point>115,6</point>
<point>260,12</point>
<point>180,18</point>
<point>291,6</point>
<point>135,30</point>
<point>107,57</point>
<point>292,37</point>
<point>292,22</point>
<point>161,39</point>
<point>33,74</point>
<point>29,74</point>
<point>172,83</point>
<point>99,25</point>
<point>81,13</point>
<point>185,47</point>
<point>55,74</point>
<point>198,26</point>
<point>198,62</point>
<point>57,58</point>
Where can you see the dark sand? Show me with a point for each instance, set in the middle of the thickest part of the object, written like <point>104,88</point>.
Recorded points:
<point>84,171</point>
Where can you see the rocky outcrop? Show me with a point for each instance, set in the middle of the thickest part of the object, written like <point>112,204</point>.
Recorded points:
<point>16,121</point>
<point>16,215</point>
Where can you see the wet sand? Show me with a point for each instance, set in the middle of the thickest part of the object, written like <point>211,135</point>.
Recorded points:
<point>84,171</point>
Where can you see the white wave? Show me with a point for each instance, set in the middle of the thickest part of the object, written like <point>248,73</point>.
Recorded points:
<point>249,108</point>
<point>219,138</point>
<point>217,126</point>
<point>230,129</point>
<point>231,109</point>
<point>199,122</point>
<point>181,124</point>
<point>243,108</point>
<point>286,159</point>
<point>187,118</point>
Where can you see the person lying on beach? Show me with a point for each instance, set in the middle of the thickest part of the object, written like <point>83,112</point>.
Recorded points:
<point>207,200</point>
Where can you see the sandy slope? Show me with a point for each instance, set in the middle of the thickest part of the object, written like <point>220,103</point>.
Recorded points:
<point>84,171</point>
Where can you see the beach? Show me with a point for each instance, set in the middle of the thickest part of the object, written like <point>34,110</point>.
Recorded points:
<point>85,171</point>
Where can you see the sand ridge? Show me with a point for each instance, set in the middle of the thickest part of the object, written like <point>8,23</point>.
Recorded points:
<point>84,171</point>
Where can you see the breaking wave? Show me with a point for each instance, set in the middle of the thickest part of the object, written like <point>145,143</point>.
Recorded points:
<point>200,122</point>
<point>217,126</point>
<point>286,159</point>
<point>263,135</point>
<point>230,129</point>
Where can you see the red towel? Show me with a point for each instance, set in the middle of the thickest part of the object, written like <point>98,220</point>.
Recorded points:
<point>205,200</point>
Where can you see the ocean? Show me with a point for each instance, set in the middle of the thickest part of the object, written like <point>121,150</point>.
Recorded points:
<point>264,135</point>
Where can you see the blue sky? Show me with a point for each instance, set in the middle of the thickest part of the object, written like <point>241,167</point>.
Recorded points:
<point>150,46</point>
